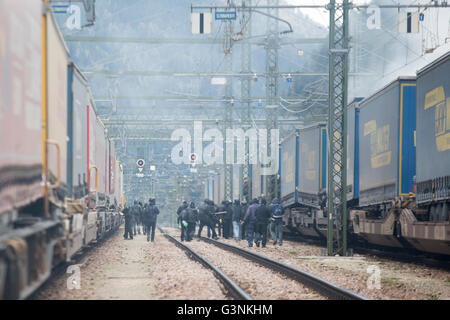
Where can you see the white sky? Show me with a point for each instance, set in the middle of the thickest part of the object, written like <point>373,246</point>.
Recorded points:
<point>319,15</point>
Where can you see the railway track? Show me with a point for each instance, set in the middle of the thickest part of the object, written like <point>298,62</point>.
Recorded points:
<point>415,257</point>
<point>61,268</point>
<point>317,284</point>
<point>232,288</point>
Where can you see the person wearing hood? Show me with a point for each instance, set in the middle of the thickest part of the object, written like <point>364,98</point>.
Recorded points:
<point>276,221</point>
<point>180,210</point>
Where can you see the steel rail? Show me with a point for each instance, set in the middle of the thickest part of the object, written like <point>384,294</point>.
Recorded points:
<point>61,268</point>
<point>233,289</point>
<point>320,285</point>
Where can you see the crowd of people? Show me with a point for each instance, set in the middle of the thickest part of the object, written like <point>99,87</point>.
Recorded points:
<point>141,217</point>
<point>233,220</point>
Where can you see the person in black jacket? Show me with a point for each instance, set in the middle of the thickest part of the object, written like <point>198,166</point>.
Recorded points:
<point>180,210</point>
<point>135,211</point>
<point>191,216</point>
<point>250,220</point>
<point>206,218</point>
<point>128,223</point>
<point>263,214</point>
<point>227,218</point>
<point>151,216</point>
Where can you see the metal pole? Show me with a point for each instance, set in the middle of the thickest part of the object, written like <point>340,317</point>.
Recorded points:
<point>228,168</point>
<point>272,93</point>
<point>337,128</point>
<point>246,86</point>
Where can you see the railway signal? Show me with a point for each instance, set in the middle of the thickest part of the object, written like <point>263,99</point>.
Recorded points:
<point>140,163</point>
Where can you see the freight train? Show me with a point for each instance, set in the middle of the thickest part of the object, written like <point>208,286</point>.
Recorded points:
<point>61,182</point>
<point>398,168</point>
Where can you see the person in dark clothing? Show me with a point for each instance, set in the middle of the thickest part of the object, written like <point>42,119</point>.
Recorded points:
<point>218,220</point>
<point>151,216</point>
<point>227,220</point>
<point>262,214</point>
<point>128,223</point>
<point>135,211</point>
<point>180,220</point>
<point>276,221</point>
<point>236,218</point>
<point>206,218</point>
<point>243,225</point>
<point>191,216</point>
<point>250,219</point>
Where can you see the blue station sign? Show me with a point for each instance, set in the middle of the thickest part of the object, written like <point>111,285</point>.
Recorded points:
<point>226,15</point>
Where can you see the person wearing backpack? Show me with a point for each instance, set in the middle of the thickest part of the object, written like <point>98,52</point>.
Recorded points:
<point>276,221</point>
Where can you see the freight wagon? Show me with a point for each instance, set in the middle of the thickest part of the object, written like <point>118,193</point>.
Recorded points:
<point>303,180</point>
<point>429,229</point>
<point>44,162</point>
<point>387,122</point>
<point>353,151</point>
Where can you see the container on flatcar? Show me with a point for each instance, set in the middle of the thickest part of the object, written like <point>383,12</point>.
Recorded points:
<point>289,166</point>
<point>20,106</point>
<point>78,99</point>
<point>433,131</point>
<point>57,63</point>
<point>101,156</point>
<point>111,169</point>
<point>353,149</point>
<point>387,123</point>
<point>312,164</point>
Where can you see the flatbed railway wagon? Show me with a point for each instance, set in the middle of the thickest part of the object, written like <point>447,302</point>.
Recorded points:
<point>386,167</point>
<point>303,180</point>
